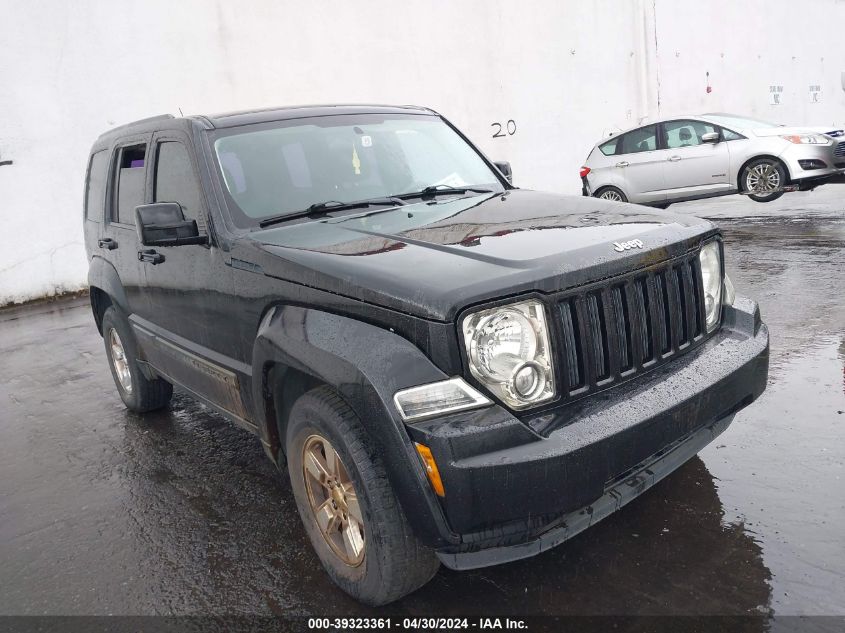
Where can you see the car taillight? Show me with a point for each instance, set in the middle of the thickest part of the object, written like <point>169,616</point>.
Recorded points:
<point>584,172</point>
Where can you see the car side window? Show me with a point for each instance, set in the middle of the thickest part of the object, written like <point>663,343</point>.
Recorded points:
<point>730,135</point>
<point>610,147</point>
<point>96,186</point>
<point>175,180</point>
<point>641,140</point>
<point>130,183</point>
<point>686,133</point>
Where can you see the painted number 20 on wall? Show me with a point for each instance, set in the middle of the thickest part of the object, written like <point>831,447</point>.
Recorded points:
<point>508,129</point>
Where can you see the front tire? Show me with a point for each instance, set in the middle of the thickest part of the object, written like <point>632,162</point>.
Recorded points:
<point>347,505</point>
<point>611,193</point>
<point>762,177</point>
<point>139,393</point>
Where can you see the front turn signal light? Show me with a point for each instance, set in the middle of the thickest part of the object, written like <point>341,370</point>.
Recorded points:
<point>431,469</point>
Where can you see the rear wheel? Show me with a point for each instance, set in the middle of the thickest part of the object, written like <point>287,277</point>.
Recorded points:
<point>762,178</point>
<point>347,505</point>
<point>611,193</point>
<point>139,393</point>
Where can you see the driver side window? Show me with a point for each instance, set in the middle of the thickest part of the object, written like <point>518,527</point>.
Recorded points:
<point>686,133</point>
<point>174,178</point>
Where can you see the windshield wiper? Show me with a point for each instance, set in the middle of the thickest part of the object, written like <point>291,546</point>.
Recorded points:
<point>321,208</point>
<point>436,190</point>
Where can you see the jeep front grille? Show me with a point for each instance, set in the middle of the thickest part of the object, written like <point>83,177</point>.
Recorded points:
<point>627,326</point>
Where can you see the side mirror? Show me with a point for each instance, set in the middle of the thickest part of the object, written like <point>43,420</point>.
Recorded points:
<point>505,168</point>
<point>164,224</point>
<point>710,137</point>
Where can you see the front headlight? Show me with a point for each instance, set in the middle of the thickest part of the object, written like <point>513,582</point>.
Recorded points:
<point>509,352</point>
<point>711,277</point>
<point>807,139</point>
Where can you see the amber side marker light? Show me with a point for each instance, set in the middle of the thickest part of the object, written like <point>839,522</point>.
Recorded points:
<point>431,469</point>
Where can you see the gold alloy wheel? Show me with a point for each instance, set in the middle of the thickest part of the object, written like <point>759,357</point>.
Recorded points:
<point>333,500</point>
<point>121,364</point>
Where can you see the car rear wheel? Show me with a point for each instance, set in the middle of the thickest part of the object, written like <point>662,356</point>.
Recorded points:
<point>139,393</point>
<point>762,179</point>
<point>611,193</point>
<point>347,505</point>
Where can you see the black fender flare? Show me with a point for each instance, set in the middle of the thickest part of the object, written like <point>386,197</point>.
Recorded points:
<point>366,365</point>
<point>103,275</point>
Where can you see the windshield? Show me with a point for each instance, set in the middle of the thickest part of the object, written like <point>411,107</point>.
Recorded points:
<point>731,121</point>
<point>287,166</point>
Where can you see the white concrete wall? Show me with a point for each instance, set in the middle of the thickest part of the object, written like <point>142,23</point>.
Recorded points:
<point>566,72</point>
<point>747,47</point>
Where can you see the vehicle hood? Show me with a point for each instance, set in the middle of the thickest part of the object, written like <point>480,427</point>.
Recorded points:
<point>786,131</point>
<point>830,130</point>
<point>432,259</point>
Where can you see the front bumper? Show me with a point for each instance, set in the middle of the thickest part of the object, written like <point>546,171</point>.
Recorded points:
<point>831,155</point>
<point>511,493</point>
<point>617,494</point>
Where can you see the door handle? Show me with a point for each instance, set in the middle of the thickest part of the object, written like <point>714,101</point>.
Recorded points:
<point>107,243</point>
<point>151,257</point>
<point>623,163</point>
<point>674,159</point>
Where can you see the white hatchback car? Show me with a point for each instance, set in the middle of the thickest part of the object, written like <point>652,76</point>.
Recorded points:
<point>688,158</point>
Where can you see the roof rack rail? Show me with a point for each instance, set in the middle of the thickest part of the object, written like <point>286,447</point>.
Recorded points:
<point>203,119</point>
<point>160,117</point>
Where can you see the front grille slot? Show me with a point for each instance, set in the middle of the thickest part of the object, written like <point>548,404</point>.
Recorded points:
<point>662,316</point>
<point>572,346</point>
<point>622,326</point>
<point>683,321</point>
<point>642,310</point>
<point>598,336</point>
<point>840,149</point>
<point>621,329</point>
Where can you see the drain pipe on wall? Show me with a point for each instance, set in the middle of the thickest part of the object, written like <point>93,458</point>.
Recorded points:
<point>649,66</point>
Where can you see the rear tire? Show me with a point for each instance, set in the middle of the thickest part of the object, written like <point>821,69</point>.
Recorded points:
<point>362,537</point>
<point>761,175</point>
<point>139,393</point>
<point>611,193</point>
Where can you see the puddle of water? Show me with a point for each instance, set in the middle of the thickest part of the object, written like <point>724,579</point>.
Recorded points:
<point>780,471</point>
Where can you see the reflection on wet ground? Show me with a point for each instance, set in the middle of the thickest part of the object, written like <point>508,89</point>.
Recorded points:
<point>794,268</point>
<point>780,472</point>
<point>180,512</point>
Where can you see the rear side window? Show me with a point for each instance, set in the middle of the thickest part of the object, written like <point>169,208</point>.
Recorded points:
<point>642,140</point>
<point>610,148</point>
<point>96,186</point>
<point>174,178</point>
<point>130,183</point>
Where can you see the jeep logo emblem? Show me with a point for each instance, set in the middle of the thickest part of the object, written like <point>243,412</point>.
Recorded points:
<point>625,246</point>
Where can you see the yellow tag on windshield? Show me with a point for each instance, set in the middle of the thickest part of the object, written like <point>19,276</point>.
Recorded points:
<point>356,162</point>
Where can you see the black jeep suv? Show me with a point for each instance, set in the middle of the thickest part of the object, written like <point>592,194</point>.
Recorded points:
<point>452,370</point>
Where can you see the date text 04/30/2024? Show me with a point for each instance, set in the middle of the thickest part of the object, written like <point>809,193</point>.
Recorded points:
<point>413,624</point>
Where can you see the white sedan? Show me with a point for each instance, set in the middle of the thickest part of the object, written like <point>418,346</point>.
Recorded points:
<point>688,158</point>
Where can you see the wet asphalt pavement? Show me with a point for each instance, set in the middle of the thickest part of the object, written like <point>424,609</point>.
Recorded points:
<point>179,512</point>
